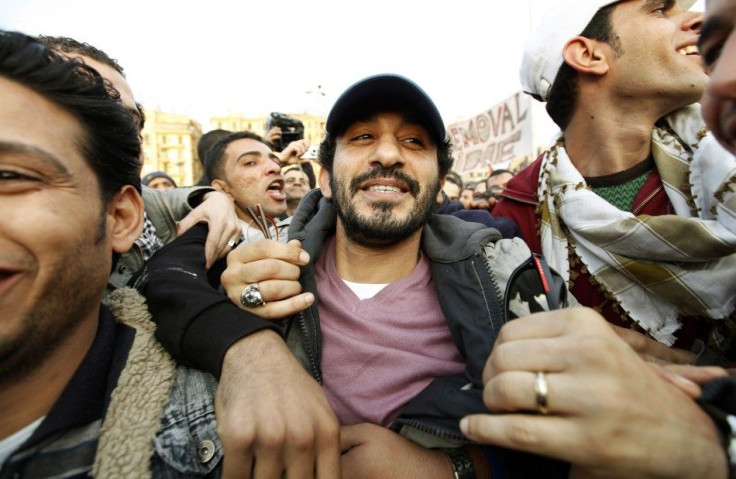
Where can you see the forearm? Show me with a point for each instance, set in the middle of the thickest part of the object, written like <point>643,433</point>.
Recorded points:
<point>181,201</point>
<point>195,322</point>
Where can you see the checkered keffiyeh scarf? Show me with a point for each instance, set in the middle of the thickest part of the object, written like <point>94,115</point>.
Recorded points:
<point>657,267</point>
<point>149,242</point>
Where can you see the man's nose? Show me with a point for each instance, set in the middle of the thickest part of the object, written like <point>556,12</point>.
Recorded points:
<point>387,152</point>
<point>692,21</point>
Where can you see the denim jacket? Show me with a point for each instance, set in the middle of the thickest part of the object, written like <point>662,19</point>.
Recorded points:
<point>187,444</point>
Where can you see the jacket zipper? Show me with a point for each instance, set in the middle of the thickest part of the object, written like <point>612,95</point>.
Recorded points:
<point>647,200</point>
<point>310,346</point>
<point>442,433</point>
<point>499,310</point>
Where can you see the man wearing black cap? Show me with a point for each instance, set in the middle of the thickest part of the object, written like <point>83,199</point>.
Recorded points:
<point>409,307</point>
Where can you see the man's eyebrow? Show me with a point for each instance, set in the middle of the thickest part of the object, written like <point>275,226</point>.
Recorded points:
<point>35,153</point>
<point>668,4</point>
<point>248,153</point>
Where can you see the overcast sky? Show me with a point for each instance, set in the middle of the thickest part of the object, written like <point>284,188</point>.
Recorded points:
<point>207,58</point>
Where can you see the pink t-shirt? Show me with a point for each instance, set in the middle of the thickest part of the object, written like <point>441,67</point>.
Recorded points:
<point>379,353</point>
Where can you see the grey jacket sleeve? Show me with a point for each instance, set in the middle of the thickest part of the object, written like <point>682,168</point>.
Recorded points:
<point>165,208</point>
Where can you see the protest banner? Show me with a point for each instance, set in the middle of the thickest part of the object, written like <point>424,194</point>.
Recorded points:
<point>494,138</point>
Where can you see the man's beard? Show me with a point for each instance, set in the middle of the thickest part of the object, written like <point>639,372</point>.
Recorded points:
<point>381,228</point>
<point>60,309</point>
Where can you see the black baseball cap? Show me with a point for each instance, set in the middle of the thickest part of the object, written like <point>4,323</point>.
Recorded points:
<point>379,92</point>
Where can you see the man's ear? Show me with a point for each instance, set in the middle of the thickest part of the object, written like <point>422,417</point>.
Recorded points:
<point>125,212</point>
<point>324,183</point>
<point>440,199</point>
<point>221,186</point>
<point>588,56</point>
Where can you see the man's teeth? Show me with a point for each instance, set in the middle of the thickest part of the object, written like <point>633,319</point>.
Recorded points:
<point>689,50</point>
<point>385,189</point>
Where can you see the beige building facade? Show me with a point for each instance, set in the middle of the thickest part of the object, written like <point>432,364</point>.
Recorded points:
<point>170,145</point>
<point>314,126</point>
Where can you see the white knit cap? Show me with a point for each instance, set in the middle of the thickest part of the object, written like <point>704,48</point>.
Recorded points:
<point>543,51</point>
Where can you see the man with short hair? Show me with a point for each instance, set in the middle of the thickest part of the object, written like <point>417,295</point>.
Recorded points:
<point>243,166</point>
<point>83,390</point>
<point>640,420</point>
<point>296,185</point>
<point>624,204</point>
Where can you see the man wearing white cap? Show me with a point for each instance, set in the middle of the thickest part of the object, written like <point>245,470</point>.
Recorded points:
<point>628,204</point>
<point>612,414</point>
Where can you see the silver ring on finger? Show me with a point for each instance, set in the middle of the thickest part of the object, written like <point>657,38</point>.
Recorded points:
<point>251,296</point>
<point>540,392</point>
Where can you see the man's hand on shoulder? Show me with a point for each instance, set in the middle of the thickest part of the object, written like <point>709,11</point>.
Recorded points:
<point>272,417</point>
<point>218,211</point>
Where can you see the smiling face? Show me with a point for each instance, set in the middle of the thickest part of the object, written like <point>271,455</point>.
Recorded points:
<point>252,176</point>
<point>657,56</point>
<point>55,254</point>
<point>718,46</point>
<point>385,179</point>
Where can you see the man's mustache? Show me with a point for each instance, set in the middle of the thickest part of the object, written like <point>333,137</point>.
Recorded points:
<point>383,172</point>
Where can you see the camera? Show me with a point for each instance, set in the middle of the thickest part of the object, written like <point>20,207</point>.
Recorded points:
<point>291,129</point>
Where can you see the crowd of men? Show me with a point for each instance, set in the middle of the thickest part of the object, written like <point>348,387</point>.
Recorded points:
<point>380,318</point>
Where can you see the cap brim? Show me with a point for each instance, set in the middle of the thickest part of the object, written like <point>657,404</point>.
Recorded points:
<point>383,91</point>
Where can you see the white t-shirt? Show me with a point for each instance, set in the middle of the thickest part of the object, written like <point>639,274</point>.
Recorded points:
<point>15,440</point>
<point>252,233</point>
<point>365,290</point>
